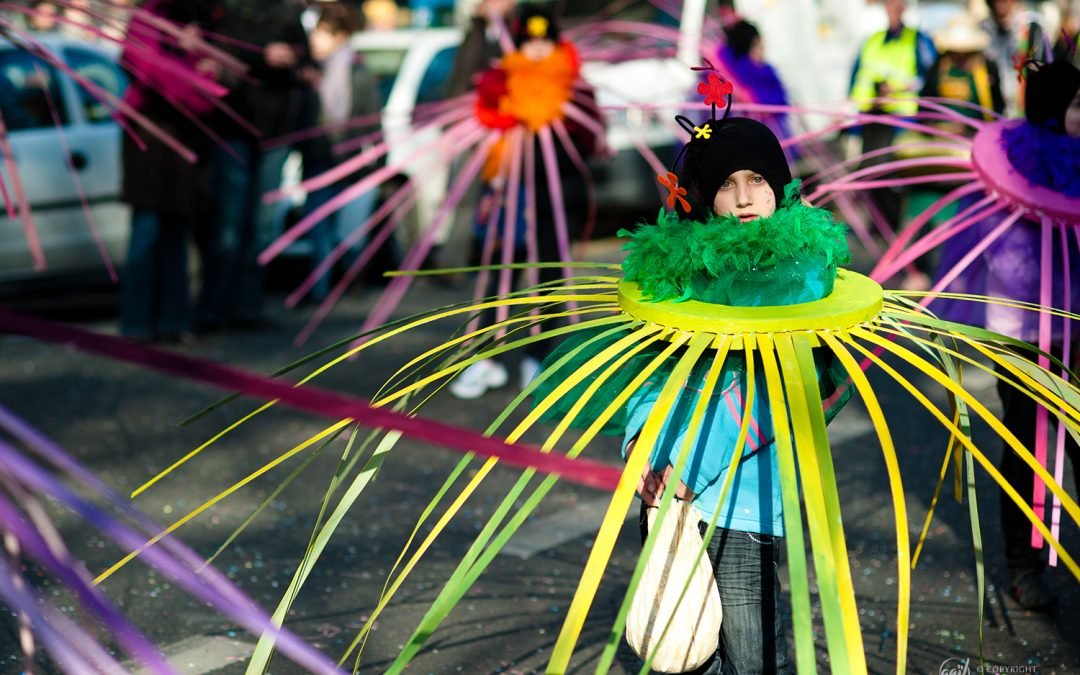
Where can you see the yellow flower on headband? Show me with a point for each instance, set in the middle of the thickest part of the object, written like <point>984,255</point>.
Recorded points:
<point>703,132</point>
<point>536,27</point>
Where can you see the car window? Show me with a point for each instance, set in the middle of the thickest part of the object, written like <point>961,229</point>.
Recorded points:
<point>100,70</point>
<point>383,64</point>
<point>29,89</point>
<point>437,77</point>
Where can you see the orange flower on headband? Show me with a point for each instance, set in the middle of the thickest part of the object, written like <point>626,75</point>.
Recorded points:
<point>715,90</point>
<point>675,193</point>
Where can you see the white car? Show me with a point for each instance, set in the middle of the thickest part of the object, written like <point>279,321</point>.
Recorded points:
<point>92,138</point>
<point>411,68</point>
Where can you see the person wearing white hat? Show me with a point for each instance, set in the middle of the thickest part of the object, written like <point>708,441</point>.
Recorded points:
<point>963,72</point>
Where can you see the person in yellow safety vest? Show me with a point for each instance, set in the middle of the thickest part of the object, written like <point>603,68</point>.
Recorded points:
<point>892,64</point>
<point>888,74</point>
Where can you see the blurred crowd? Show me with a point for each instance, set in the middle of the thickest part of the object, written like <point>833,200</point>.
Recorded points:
<point>296,71</point>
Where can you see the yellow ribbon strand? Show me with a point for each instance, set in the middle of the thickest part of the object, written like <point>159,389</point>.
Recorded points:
<point>801,617</point>
<point>896,487</point>
<point>233,488</point>
<point>919,363</point>
<point>620,503</point>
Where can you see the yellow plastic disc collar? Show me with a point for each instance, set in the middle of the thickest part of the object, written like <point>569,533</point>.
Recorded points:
<point>855,299</point>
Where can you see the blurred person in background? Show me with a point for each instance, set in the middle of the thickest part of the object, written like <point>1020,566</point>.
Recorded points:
<point>44,17</point>
<point>163,189</point>
<point>479,49</point>
<point>526,89</point>
<point>346,90</point>
<point>1043,149</point>
<point>889,73</point>
<point>743,58</point>
<point>480,46</point>
<point>1016,35</point>
<point>77,21</point>
<point>268,37</point>
<point>1067,46</point>
<point>964,73</point>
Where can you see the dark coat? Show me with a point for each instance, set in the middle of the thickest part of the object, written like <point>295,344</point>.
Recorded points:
<point>272,99</point>
<point>158,178</point>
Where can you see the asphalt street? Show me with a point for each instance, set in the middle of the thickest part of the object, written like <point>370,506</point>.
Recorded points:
<point>122,422</point>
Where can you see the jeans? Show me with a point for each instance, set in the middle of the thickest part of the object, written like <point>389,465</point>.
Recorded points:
<point>752,636</point>
<point>154,293</point>
<point>232,283</point>
<point>328,232</point>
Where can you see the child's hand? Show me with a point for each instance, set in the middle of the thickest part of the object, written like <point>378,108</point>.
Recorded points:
<point>652,484</point>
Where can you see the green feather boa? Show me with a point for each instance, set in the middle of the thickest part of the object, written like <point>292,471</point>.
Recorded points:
<point>670,258</point>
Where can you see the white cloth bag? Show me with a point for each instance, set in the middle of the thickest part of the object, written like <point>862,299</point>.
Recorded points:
<point>695,629</point>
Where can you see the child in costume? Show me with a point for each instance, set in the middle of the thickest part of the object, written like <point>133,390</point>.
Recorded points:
<point>1045,149</point>
<point>529,87</point>
<point>739,186</point>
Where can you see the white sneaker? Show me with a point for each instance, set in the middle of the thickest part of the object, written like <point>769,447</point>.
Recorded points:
<point>478,378</point>
<point>529,369</point>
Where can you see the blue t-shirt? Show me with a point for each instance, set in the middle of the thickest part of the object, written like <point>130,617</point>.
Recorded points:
<point>753,503</point>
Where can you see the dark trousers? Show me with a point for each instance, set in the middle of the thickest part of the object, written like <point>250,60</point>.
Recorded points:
<point>232,278</point>
<point>154,292</point>
<point>753,639</point>
<point>1019,415</point>
<point>887,200</point>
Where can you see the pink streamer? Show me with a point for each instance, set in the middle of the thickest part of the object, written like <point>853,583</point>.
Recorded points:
<point>918,223</point>
<point>322,402</point>
<point>321,130</point>
<point>575,113</point>
<point>9,206</point>
<point>558,206</point>
<point>399,197</point>
<point>898,182</point>
<point>369,182</point>
<point>1066,358</point>
<point>891,167</point>
<point>1046,299</point>
<point>962,104</point>
<point>488,253</point>
<point>971,255</point>
<point>532,247</point>
<point>818,156</point>
<point>398,286</point>
<point>354,270</point>
<point>362,160</point>
<point>586,177</point>
<point>516,143</point>
<point>935,238</point>
<point>955,116</point>
<point>833,168</point>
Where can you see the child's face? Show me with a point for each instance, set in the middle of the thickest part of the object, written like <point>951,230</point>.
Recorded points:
<point>537,49</point>
<point>325,42</point>
<point>746,195</point>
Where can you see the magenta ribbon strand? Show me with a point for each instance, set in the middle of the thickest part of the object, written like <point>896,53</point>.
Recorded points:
<point>315,400</point>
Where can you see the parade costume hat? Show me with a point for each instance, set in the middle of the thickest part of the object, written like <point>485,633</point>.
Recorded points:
<point>534,22</point>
